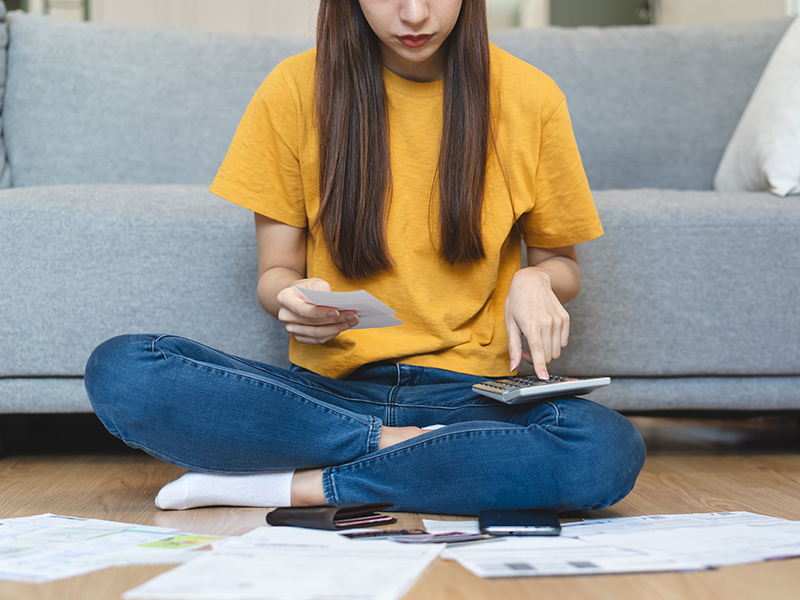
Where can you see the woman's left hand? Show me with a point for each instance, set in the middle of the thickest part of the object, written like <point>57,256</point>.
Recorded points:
<point>533,310</point>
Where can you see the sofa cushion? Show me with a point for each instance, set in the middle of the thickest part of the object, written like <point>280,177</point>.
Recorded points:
<point>43,395</point>
<point>91,103</point>
<point>651,106</point>
<point>85,263</point>
<point>688,284</point>
<point>5,171</point>
<point>764,153</point>
<point>750,393</point>
<point>81,264</point>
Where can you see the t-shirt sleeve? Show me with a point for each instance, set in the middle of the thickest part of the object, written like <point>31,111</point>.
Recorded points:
<point>261,170</point>
<point>563,212</point>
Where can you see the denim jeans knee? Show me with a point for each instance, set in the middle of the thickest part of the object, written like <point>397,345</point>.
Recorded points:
<point>107,388</point>
<point>602,469</point>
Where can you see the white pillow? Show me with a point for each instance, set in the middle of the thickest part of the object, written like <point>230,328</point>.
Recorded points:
<point>764,152</point>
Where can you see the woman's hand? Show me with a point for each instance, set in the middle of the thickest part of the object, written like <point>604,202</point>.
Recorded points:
<point>533,310</point>
<point>308,323</point>
<point>281,270</point>
<point>534,307</point>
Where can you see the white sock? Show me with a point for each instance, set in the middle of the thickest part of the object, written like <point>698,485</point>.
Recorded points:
<point>211,489</point>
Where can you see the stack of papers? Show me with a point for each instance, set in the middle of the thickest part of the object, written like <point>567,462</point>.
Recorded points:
<point>49,547</point>
<point>270,562</point>
<point>288,563</point>
<point>632,544</point>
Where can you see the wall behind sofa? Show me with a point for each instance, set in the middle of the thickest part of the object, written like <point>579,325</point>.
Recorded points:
<point>266,17</point>
<point>297,17</point>
<point>689,12</point>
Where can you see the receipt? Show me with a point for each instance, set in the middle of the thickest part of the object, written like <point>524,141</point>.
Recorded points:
<point>371,311</point>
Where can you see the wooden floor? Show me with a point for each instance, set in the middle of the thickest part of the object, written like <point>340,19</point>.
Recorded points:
<point>692,466</point>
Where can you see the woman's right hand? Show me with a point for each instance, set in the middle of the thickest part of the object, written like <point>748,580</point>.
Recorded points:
<point>281,271</point>
<point>308,323</point>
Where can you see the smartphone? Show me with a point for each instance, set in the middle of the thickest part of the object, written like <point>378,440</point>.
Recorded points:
<point>519,522</point>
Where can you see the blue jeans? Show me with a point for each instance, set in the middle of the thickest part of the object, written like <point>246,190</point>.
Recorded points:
<point>205,410</point>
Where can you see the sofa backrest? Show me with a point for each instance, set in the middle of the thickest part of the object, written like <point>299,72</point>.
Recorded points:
<point>652,107</point>
<point>91,103</point>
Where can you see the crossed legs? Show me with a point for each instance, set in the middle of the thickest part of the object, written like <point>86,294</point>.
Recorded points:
<point>360,439</point>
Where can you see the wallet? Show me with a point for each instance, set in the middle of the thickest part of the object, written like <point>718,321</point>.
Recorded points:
<point>332,516</point>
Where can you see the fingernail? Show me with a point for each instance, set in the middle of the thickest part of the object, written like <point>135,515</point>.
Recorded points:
<point>333,313</point>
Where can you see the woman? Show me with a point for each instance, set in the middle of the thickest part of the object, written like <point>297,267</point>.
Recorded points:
<point>407,156</point>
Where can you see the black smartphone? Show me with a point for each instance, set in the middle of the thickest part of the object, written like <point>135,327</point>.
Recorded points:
<point>519,522</point>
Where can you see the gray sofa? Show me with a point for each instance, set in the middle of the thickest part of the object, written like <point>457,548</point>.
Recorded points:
<point>112,136</point>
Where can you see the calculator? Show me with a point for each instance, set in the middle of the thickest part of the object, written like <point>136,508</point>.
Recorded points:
<point>519,390</point>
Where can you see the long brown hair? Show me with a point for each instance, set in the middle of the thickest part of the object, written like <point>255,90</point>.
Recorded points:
<point>354,166</point>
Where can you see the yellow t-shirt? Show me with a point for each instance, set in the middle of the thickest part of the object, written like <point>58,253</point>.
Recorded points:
<point>453,316</point>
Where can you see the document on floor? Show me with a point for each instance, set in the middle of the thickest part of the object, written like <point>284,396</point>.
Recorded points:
<point>371,311</point>
<point>47,547</point>
<point>536,556</point>
<point>708,539</point>
<point>636,544</point>
<point>290,563</point>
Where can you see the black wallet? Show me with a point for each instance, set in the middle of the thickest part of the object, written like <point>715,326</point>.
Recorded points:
<point>332,516</point>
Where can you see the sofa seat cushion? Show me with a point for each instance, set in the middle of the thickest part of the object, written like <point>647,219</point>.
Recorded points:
<point>645,394</point>
<point>681,284</point>
<point>43,395</point>
<point>688,284</point>
<point>84,263</point>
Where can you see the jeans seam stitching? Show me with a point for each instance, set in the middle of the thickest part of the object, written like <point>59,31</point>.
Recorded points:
<point>459,407</point>
<point>278,384</point>
<point>291,383</point>
<point>391,401</point>
<point>362,461</point>
<point>391,405</point>
<point>557,414</point>
<point>374,432</point>
<point>331,485</point>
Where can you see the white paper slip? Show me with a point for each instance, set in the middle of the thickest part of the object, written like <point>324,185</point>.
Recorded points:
<point>372,312</point>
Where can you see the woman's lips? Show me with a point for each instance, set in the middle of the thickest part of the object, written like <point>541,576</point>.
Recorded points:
<point>415,41</point>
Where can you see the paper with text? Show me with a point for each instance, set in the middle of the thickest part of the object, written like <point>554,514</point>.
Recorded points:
<point>290,563</point>
<point>48,547</point>
<point>635,544</point>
